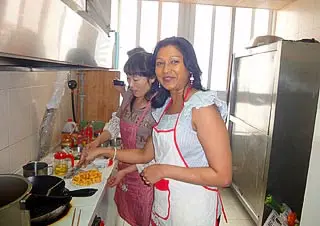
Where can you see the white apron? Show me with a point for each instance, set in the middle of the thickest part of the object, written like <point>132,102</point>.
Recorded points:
<point>177,203</point>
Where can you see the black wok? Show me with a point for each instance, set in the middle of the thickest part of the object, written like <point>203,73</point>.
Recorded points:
<point>42,184</point>
<point>45,210</point>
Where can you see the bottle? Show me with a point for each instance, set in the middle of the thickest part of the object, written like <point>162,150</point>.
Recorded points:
<point>89,132</point>
<point>69,127</point>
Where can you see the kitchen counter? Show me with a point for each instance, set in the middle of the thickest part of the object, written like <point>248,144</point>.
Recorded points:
<point>88,205</point>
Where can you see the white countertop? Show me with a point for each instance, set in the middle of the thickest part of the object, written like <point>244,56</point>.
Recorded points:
<point>87,205</point>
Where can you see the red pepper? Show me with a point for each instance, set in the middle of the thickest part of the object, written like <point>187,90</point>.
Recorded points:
<point>292,218</point>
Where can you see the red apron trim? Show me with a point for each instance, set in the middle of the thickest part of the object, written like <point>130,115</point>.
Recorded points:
<point>182,158</point>
<point>164,111</point>
<point>152,223</point>
<point>217,209</point>
<point>169,207</point>
<point>162,185</point>
<point>222,207</point>
<point>163,131</point>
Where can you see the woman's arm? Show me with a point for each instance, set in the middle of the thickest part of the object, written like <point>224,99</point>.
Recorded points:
<point>213,136</point>
<point>130,169</point>
<point>104,136</point>
<point>132,156</point>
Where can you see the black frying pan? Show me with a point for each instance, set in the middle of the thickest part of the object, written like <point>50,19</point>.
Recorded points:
<point>45,210</point>
<point>42,184</point>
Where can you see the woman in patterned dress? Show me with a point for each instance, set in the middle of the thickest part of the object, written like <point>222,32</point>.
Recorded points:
<point>134,122</point>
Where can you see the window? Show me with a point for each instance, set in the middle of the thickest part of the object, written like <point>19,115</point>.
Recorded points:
<point>127,29</point>
<point>139,19</point>
<point>114,15</point>
<point>261,22</point>
<point>169,19</point>
<point>202,39</point>
<point>221,48</point>
<point>149,25</point>
<point>242,33</point>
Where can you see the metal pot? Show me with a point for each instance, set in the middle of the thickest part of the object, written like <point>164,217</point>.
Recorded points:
<point>14,191</point>
<point>35,168</point>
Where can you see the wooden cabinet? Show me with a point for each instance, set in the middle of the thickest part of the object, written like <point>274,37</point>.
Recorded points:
<point>100,96</point>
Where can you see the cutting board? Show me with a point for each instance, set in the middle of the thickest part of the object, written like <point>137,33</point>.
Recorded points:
<point>101,98</point>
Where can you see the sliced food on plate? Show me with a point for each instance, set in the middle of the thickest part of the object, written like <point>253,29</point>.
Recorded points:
<point>85,178</point>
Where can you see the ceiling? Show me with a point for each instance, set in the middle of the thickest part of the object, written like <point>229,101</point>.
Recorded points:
<point>263,4</point>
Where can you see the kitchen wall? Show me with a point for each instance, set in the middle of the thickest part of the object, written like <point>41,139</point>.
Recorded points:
<point>23,99</point>
<point>298,20</point>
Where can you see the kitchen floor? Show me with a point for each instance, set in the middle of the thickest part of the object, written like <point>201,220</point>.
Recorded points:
<point>236,214</point>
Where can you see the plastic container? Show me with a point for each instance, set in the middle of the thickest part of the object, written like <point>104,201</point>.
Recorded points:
<point>69,127</point>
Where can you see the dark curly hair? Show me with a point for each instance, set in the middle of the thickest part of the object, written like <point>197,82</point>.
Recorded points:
<point>189,59</point>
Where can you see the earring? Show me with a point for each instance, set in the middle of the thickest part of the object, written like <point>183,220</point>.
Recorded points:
<point>191,78</point>
<point>159,85</point>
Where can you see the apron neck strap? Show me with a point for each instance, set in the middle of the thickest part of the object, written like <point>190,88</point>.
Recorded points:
<point>170,102</point>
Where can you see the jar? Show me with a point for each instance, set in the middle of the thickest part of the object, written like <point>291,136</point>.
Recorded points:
<point>62,162</point>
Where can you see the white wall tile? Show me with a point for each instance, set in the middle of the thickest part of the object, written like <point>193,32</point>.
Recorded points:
<point>34,147</point>
<point>5,161</point>
<point>23,99</point>
<point>40,98</point>
<point>43,78</point>
<point>19,114</point>
<point>19,79</point>
<point>20,153</point>
<point>300,19</point>
<point>4,79</point>
<point>4,126</point>
<point>316,19</point>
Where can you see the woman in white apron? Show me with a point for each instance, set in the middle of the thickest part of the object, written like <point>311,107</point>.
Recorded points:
<point>189,142</point>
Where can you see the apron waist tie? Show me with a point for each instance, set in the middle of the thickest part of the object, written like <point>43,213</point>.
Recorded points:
<point>222,207</point>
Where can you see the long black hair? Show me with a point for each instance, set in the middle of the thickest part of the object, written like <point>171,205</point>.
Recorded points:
<point>189,59</point>
<point>140,64</point>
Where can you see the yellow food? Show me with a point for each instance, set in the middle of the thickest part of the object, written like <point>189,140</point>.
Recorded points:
<point>87,178</point>
<point>61,169</point>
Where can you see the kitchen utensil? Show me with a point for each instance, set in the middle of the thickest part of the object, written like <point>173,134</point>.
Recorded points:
<point>74,214</point>
<point>72,172</point>
<point>41,185</point>
<point>14,191</point>
<point>73,217</point>
<point>62,162</point>
<point>79,218</point>
<point>50,189</point>
<point>35,168</point>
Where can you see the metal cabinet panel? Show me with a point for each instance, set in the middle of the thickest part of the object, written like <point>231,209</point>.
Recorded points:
<point>254,87</point>
<point>249,147</point>
<point>272,107</point>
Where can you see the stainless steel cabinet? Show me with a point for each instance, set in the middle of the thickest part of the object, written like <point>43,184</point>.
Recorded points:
<point>272,106</point>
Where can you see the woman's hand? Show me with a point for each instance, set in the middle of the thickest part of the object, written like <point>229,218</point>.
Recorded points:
<point>152,174</point>
<point>87,156</point>
<point>115,180</point>
<point>93,144</point>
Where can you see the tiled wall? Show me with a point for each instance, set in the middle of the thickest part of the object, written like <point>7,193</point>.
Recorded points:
<point>300,19</point>
<point>23,99</point>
